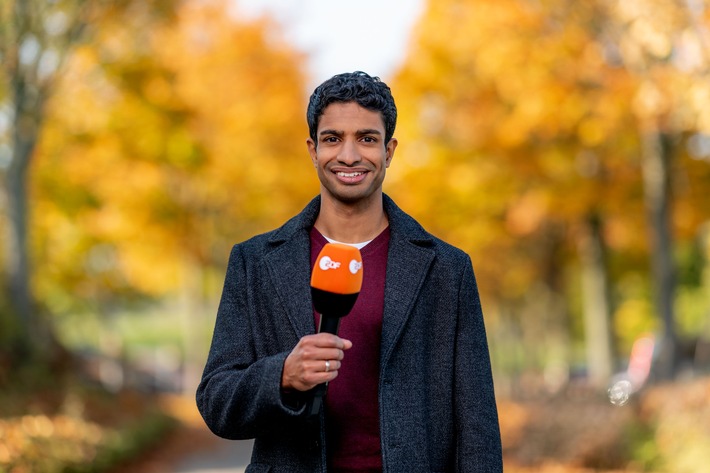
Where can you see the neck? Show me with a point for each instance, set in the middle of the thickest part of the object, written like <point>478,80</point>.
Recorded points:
<point>351,223</point>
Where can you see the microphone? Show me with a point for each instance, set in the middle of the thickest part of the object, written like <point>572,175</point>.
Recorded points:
<point>335,284</point>
<point>336,281</point>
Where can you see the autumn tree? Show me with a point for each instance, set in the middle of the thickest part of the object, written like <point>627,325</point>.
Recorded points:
<point>36,38</point>
<point>172,144</point>
<point>519,132</point>
<point>665,45</point>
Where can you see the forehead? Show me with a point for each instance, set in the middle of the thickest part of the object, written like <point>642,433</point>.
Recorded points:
<point>350,115</point>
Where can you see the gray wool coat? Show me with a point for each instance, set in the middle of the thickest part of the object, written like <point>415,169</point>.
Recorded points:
<point>436,398</point>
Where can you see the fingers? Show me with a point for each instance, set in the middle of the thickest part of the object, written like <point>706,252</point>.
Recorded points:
<point>327,340</point>
<point>302,375</point>
<point>323,346</point>
<point>326,366</point>
<point>310,353</point>
<point>306,367</point>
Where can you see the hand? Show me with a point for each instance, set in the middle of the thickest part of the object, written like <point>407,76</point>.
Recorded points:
<point>305,366</point>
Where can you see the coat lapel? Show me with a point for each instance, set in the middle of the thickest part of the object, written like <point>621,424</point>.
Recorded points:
<point>289,268</point>
<point>289,265</point>
<point>408,263</point>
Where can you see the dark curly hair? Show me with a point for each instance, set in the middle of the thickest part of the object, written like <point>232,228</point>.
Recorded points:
<point>367,91</point>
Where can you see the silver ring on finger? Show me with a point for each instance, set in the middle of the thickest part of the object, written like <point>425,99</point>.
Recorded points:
<point>327,365</point>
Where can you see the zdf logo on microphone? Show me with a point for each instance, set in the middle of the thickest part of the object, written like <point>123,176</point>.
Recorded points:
<point>355,266</point>
<point>327,263</point>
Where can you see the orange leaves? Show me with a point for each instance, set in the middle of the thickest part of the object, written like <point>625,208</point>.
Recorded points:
<point>41,432</point>
<point>37,441</point>
<point>521,119</point>
<point>504,96</point>
<point>527,213</point>
<point>183,137</point>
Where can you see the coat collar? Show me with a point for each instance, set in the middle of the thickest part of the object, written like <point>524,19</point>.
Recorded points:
<point>402,226</point>
<point>408,261</point>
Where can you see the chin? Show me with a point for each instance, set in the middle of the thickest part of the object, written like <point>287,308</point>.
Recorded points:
<point>351,194</point>
<point>352,199</point>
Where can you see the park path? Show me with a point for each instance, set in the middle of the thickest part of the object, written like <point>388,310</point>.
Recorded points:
<point>223,456</point>
<point>193,448</point>
<point>190,447</point>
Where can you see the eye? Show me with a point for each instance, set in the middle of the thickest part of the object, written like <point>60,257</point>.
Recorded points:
<point>330,139</point>
<point>369,139</point>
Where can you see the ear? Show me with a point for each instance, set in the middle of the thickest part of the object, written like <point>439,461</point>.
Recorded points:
<point>313,151</point>
<point>389,150</point>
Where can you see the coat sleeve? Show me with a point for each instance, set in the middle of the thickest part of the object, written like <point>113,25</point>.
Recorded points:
<point>478,444</point>
<point>240,394</point>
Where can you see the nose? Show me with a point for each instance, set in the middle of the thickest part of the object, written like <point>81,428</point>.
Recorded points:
<point>349,153</point>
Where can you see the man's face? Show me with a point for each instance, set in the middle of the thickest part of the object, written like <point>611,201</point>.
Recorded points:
<point>351,155</point>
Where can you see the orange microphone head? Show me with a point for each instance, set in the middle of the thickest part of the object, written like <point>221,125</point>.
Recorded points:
<point>336,279</point>
<point>338,269</point>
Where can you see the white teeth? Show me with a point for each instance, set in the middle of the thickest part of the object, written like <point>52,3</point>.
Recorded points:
<point>349,174</point>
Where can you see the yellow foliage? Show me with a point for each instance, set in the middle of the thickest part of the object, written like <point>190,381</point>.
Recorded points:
<point>168,144</point>
<point>519,119</point>
<point>633,318</point>
<point>527,214</point>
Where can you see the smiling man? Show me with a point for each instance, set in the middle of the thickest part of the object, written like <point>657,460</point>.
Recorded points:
<point>410,385</point>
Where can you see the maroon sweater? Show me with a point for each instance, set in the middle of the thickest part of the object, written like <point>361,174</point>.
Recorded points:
<point>351,404</point>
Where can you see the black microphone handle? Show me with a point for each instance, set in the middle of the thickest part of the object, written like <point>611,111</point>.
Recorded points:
<point>326,325</point>
<point>316,400</point>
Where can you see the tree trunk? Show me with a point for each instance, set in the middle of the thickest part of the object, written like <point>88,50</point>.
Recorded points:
<point>555,315</point>
<point>597,304</point>
<point>656,161</point>
<point>27,109</point>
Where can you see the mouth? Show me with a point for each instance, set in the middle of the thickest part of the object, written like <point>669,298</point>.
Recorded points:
<point>350,177</point>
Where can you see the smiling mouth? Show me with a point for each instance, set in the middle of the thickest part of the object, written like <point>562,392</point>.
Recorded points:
<point>349,174</point>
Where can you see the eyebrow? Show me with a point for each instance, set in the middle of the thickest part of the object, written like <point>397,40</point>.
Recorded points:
<point>369,131</point>
<point>366,131</point>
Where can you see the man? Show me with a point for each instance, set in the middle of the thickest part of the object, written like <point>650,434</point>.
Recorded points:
<point>410,386</point>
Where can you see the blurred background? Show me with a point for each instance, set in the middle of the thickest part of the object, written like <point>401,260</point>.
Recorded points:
<point>564,145</point>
